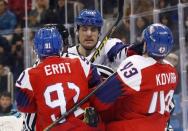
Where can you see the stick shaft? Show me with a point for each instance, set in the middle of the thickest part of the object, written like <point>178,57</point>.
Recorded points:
<point>110,32</point>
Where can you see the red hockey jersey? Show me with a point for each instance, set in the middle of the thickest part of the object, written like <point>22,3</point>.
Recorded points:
<point>53,87</point>
<point>146,88</point>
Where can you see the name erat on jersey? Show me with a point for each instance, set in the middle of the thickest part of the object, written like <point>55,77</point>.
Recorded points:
<point>60,68</point>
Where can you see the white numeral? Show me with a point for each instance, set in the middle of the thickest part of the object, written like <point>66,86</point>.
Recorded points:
<point>60,101</point>
<point>165,101</point>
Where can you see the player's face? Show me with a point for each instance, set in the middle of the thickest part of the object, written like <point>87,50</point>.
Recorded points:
<point>88,36</point>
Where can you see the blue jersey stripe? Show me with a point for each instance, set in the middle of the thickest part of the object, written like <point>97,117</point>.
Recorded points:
<point>110,90</point>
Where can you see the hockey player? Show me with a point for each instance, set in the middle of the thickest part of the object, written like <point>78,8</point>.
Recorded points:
<point>145,83</point>
<point>89,24</point>
<point>55,84</point>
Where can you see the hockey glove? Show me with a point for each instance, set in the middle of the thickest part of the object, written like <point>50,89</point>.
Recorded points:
<point>91,117</point>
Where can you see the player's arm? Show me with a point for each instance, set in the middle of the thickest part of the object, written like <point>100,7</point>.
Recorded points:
<point>118,50</point>
<point>24,93</point>
<point>29,121</point>
<point>108,93</point>
<point>115,50</point>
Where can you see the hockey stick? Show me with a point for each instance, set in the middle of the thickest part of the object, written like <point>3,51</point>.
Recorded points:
<point>110,32</point>
<point>75,106</point>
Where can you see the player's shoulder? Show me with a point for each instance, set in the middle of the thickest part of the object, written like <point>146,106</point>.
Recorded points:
<point>73,50</point>
<point>140,61</point>
<point>168,63</point>
<point>143,62</point>
<point>110,42</point>
<point>29,69</point>
<point>113,41</point>
<point>130,70</point>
